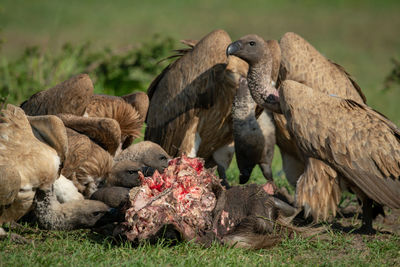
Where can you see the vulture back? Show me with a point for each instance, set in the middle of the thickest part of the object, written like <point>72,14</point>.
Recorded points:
<point>356,141</point>
<point>71,96</point>
<point>301,62</point>
<point>191,96</point>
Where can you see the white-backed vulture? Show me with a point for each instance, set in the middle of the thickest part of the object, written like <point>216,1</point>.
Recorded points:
<point>118,109</point>
<point>30,163</point>
<point>191,100</point>
<point>71,96</point>
<point>254,138</point>
<point>357,142</point>
<point>300,61</point>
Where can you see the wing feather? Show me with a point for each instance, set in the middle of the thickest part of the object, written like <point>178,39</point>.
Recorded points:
<point>359,143</point>
<point>184,89</point>
<point>304,64</point>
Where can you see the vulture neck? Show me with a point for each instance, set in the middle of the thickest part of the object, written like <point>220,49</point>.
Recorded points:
<point>260,81</point>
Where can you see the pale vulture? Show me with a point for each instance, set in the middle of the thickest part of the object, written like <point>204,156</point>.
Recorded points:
<point>301,62</point>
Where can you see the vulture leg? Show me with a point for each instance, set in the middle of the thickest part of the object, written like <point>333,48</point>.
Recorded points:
<point>366,227</point>
<point>223,157</point>
<point>292,167</point>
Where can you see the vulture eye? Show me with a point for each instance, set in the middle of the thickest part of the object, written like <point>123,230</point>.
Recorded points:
<point>252,43</point>
<point>163,158</point>
<point>131,171</point>
<point>95,213</point>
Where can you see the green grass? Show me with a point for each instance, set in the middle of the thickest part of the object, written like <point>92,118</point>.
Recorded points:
<point>84,248</point>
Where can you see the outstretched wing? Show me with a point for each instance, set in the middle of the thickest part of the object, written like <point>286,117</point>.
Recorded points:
<point>356,141</point>
<point>190,84</point>
<point>304,64</point>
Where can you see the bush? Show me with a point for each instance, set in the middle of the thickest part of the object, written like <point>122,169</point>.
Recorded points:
<point>115,72</point>
<point>393,78</point>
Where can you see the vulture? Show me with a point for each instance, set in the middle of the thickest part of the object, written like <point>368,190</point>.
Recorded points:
<point>357,142</point>
<point>299,61</point>
<point>191,100</point>
<point>254,138</point>
<point>76,214</point>
<point>75,97</point>
<point>87,164</point>
<point>30,163</point>
<point>145,153</point>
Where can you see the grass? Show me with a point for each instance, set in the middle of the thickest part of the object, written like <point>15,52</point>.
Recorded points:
<point>84,248</point>
<point>114,41</point>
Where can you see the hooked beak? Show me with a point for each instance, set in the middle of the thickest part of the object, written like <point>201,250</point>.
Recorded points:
<point>233,48</point>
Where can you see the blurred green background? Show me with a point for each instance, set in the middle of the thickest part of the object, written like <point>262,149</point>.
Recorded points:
<point>362,36</point>
<point>44,42</point>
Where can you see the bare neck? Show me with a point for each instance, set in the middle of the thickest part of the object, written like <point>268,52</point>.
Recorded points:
<point>259,79</point>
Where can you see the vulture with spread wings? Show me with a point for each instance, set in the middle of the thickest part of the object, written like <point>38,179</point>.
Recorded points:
<point>191,100</point>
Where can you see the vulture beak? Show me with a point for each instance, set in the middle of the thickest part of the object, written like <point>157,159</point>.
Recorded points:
<point>148,171</point>
<point>233,48</point>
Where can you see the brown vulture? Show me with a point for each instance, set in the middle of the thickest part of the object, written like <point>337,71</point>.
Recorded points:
<point>75,96</point>
<point>191,101</point>
<point>301,62</point>
<point>357,142</point>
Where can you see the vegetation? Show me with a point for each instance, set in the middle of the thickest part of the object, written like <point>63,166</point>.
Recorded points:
<point>113,72</point>
<point>118,43</point>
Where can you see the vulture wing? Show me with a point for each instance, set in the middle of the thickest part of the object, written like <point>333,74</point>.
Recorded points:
<point>71,96</point>
<point>356,141</point>
<point>191,96</point>
<point>50,130</point>
<point>140,102</point>
<point>103,131</point>
<point>304,64</point>
<point>87,164</point>
<point>118,109</point>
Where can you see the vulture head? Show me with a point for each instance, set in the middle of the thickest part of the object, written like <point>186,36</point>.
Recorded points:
<point>76,214</point>
<point>147,153</point>
<point>255,51</point>
<point>125,173</point>
<point>251,48</point>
